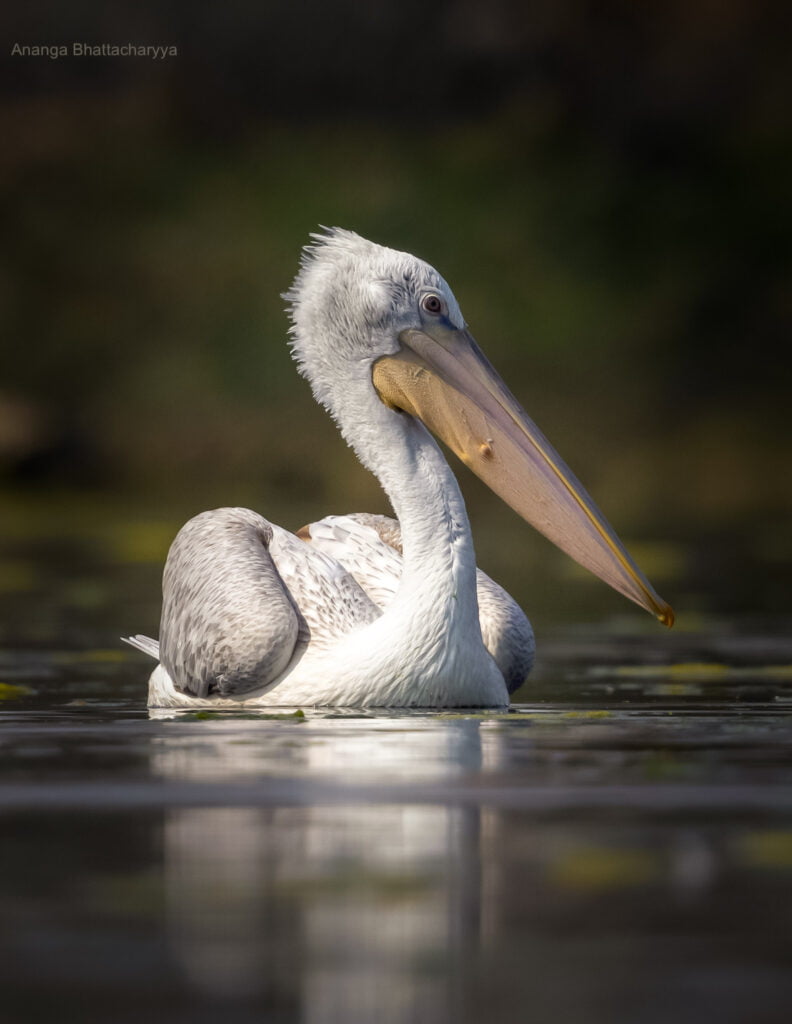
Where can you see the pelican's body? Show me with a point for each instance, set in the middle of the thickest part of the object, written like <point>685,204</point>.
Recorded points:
<point>363,611</point>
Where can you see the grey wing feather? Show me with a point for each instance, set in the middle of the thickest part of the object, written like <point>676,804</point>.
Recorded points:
<point>357,542</point>
<point>331,600</point>
<point>505,630</point>
<point>228,624</point>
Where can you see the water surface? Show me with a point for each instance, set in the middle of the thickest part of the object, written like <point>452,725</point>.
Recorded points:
<point>616,848</point>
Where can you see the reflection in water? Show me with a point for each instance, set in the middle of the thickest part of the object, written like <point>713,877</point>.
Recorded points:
<point>366,911</point>
<point>593,866</point>
<point>213,869</point>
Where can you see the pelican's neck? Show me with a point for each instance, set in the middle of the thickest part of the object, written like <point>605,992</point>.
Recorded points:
<point>439,564</point>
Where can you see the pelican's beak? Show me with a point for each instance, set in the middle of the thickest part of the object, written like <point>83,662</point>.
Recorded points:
<point>442,377</point>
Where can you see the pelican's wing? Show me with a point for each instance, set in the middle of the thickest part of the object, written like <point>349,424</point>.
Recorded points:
<point>369,546</point>
<point>242,599</point>
<point>228,623</point>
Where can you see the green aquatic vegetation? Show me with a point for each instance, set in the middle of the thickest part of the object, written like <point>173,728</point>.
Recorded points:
<point>683,672</point>
<point>587,714</point>
<point>596,867</point>
<point>674,689</point>
<point>13,691</point>
<point>770,848</point>
<point>205,716</point>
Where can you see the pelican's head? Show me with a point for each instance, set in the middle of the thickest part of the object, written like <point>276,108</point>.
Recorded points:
<point>360,311</point>
<point>350,302</point>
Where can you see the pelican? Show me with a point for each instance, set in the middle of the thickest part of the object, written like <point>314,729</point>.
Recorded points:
<point>365,610</point>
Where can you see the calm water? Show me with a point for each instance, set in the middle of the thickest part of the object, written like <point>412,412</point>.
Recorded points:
<point>618,848</point>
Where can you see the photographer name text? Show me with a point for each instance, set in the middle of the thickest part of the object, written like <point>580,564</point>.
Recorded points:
<point>54,52</point>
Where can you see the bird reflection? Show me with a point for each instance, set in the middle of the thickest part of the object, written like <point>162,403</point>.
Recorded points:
<point>354,910</point>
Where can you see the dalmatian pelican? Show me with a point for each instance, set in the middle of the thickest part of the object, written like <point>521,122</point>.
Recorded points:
<point>365,610</point>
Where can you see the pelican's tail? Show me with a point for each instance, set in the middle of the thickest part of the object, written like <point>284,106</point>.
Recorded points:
<point>144,644</point>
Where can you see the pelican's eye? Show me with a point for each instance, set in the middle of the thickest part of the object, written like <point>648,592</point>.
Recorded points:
<point>432,303</point>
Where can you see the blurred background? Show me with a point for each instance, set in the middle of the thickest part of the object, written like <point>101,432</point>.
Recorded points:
<point>607,188</point>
